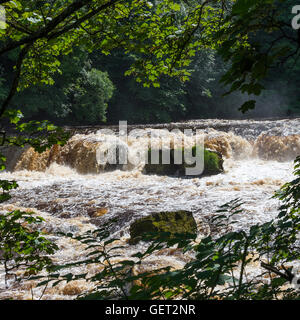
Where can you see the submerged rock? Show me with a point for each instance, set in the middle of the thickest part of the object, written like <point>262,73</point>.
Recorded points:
<point>213,162</point>
<point>176,222</point>
<point>97,212</point>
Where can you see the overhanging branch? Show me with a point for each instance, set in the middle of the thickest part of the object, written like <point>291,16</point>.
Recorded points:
<point>77,5</point>
<point>16,80</point>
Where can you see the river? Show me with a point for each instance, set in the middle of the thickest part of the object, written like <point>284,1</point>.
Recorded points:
<point>67,187</point>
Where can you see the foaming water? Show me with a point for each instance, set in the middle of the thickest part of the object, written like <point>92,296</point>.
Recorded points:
<point>239,139</point>
<point>81,150</point>
<point>67,187</point>
<point>252,180</point>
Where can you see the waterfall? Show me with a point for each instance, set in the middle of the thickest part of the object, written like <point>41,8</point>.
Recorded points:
<point>246,140</point>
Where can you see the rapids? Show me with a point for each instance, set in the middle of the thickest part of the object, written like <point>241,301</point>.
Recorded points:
<point>74,193</point>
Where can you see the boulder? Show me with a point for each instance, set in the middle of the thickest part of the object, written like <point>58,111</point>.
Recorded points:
<point>175,222</point>
<point>213,163</point>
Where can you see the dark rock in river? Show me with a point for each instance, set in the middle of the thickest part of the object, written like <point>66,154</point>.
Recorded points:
<point>213,162</point>
<point>97,212</point>
<point>177,222</point>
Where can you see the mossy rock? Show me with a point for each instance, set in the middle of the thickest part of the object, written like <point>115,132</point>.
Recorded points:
<point>172,223</point>
<point>213,163</point>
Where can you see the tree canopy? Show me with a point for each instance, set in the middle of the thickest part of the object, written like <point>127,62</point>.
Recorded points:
<point>161,37</point>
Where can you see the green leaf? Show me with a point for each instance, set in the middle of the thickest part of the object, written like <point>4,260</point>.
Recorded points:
<point>247,106</point>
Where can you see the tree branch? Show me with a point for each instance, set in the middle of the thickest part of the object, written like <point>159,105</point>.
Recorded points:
<point>77,5</point>
<point>287,275</point>
<point>81,20</point>
<point>16,80</point>
<point>45,32</point>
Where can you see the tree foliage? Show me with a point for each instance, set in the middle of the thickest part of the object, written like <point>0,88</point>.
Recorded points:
<point>161,39</point>
<point>162,36</point>
<point>271,42</point>
<point>21,247</point>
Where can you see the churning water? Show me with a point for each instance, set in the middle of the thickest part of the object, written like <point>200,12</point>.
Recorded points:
<point>73,193</point>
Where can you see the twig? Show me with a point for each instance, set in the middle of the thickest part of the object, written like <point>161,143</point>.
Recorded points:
<point>287,275</point>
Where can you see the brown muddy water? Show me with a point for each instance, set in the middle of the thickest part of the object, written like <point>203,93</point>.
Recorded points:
<point>67,187</point>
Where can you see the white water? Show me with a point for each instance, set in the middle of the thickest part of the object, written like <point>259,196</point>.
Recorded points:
<point>64,197</point>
